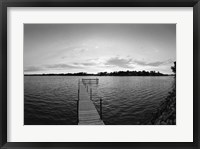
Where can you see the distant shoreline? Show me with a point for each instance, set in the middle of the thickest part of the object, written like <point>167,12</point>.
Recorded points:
<point>116,73</point>
<point>99,76</point>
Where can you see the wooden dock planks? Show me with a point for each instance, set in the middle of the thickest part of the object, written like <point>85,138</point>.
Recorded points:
<point>88,114</point>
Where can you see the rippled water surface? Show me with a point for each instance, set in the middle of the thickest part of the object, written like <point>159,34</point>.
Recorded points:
<point>51,100</point>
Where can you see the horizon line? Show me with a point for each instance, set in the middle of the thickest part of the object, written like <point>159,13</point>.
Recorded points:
<point>105,73</point>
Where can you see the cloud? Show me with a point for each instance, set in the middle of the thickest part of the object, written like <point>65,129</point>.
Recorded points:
<point>49,67</point>
<point>67,52</point>
<point>62,66</point>
<point>32,69</point>
<point>120,62</point>
<point>80,50</point>
<point>85,64</point>
<point>155,64</point>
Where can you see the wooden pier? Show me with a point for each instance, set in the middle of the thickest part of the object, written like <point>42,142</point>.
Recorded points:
<point>87,112</point>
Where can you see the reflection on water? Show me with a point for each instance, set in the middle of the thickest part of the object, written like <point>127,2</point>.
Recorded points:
<point>51,100</point>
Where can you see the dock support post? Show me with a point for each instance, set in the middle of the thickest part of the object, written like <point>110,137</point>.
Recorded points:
<point>77,111</point>
<point>78,88</point>
<point>79,84</point>
<point>91,94</point>
<point>100,108</point>
<point>87,88</point>
<point>78,94</point>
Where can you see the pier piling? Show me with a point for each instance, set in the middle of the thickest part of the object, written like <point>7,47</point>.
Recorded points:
<point>101,108</point>
<point>90,93</point>
<point>77,111</point>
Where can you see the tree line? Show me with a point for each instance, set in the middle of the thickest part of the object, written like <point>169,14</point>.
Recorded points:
<point>115,73</point>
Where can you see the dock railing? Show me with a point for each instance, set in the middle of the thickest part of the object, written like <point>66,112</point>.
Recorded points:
<point>90,81</point>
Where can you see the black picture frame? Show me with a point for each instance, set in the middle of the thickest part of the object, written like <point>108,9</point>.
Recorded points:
<point>4,4</point>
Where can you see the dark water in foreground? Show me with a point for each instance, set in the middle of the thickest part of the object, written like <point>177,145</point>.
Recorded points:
<point>51,100</point>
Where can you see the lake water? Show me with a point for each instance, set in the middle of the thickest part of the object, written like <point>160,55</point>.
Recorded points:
<point>51,100</point>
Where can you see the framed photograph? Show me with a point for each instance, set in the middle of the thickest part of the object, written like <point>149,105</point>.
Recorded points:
<point>99,74</point>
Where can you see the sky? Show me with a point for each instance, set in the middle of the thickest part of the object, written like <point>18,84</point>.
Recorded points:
<point>93,48</point>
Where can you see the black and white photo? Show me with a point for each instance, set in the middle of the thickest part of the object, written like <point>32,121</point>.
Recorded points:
<point>100,74</point>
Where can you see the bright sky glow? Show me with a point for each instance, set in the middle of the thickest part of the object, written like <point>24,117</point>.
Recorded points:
<point>92,48</point>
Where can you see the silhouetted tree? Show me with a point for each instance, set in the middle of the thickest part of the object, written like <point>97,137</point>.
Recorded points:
<point>174,68</point>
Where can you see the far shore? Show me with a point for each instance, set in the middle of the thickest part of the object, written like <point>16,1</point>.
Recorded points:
<point>96,75</point>
<point>116,73</point>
